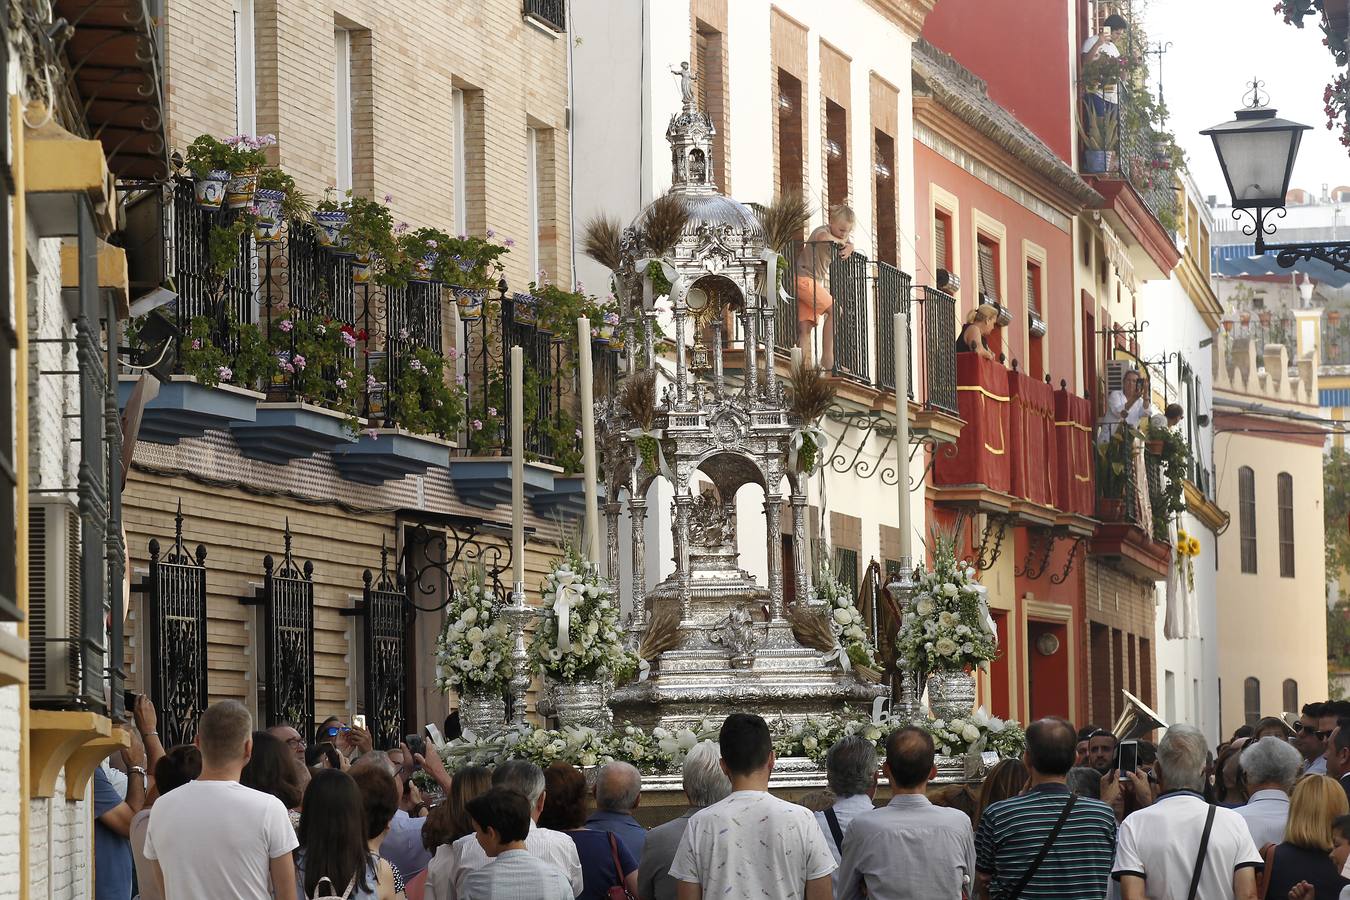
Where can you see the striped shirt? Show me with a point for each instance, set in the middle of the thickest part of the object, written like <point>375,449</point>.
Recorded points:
<point>1012,832</point>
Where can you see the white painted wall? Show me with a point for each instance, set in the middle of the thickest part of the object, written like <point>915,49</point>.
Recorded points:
<point>1176,326</point>
<point>621,162</point>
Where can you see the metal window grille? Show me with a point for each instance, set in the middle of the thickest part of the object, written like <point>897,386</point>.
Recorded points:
<point>848,285</point>
<point>939,335</point>
<point>1285,501</point>
<point>1247,518</point>
<point>894,293</point>
<point>385,616</point>
<point>175,626</point>
<point>550,13</point>
<point>846,569</point>
<point>287,598</point>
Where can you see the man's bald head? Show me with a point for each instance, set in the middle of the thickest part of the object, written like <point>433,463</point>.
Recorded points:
<point>618,787</point>
<point>909,757</point>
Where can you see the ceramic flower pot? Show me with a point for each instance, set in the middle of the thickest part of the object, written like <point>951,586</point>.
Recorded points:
<point>361,268</point>
<point>330,224</point>
<point>526,311</point>
<point>482,712</point>
<point>470,304</point>
<point>241,188</point>
<point>422,269</point>
<point>951,694</point>
<point>268,204</point>
<point>209,189</point>
<point>1094,162</point>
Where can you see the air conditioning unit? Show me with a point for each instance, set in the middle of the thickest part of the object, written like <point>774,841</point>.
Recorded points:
<point>54,599</point>
<point>1115,374</point>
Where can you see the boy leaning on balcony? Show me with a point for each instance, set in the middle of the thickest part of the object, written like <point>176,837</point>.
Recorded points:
<point>1102,99</point>
<point>814,300</point>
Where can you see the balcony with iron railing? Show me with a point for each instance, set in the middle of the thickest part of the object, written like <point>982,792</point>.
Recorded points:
<point>295,349</point>
<point>551,14</point>
<point>853,301</point>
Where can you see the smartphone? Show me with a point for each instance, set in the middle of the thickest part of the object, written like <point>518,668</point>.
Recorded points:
<point>1127,757</point>
<point>359,722</point>
<point>129,701</point>
<point>416,743</point>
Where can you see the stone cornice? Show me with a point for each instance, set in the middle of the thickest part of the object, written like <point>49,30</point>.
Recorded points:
<point>908,14</point>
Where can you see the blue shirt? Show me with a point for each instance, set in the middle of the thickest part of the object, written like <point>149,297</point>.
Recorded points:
<point>112,852</point>
<point>597,862</point>
<point>625,828</point>
<point>403,845</point>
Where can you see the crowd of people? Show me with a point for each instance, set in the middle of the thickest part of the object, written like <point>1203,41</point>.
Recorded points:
<point>271,814</point>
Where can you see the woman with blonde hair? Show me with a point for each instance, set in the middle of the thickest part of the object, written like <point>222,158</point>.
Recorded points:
<point>814,300</point>
<point>1304,857</point>
<point>974,337</point>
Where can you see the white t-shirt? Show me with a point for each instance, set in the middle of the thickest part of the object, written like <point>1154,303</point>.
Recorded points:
<point>450,867</point>
<point>752,845</point>
<point>1108,92</point>
<point>1160,843</point>
<point>215,840</point>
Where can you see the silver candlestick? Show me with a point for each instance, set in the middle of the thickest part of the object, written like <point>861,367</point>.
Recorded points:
<point>901,589</point>
<point>518,613</point>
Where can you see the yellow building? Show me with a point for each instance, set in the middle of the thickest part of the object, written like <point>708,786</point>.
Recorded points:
<point>1271,571</point>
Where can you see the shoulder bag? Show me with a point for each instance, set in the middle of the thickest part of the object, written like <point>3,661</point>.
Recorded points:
<point>1045,850</point>
<point>618,891</point>
<point>1200,857</point>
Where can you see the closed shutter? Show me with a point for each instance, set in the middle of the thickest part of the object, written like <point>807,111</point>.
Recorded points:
<point>1033,287</point>
<point>988,274</point>
<point>940,242</point>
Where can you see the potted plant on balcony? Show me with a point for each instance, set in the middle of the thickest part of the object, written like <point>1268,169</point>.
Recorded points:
<point>1101,136</point>
<point>1115,460</point>
<point>226,172</point>
<point>277,200</point>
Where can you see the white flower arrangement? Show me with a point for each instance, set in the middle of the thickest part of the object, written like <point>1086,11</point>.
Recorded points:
<point>813,737</point>
<point>473,653</point>
<point>579,637</point>
<point>657,751</point>
<point>845,619</point>
<point>975,733</point>
<point>948,628</point>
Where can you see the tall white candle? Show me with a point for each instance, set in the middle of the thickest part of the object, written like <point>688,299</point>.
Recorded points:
<point>589,463</point>
<point>518,463</point>
<point>902,428</point>
<point>796,358</point>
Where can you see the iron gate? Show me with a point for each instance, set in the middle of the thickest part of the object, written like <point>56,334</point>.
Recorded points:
<point>287,598</point>
<point>385,616</point>
<point>175,592</point>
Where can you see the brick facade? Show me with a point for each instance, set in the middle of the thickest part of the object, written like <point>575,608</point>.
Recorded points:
<point>406,60</point>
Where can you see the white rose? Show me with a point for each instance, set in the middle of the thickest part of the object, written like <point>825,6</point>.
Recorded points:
<point>470,615</point>
<point>946,619</point>
<point>924,608</point>
<point>967,647</point>
<point>871,733</point>
<point>970,733</point>
<point>474,634</point>
<point>843,616</point>
<point>946,647</point>
<point>578,649</point>
<point>949,589</point>
<point>963,630</point>
<point>476,659</point>
<point>809,743</point>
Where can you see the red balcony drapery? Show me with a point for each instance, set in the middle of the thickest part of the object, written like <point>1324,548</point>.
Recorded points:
<point>1074,452</point>
<point>982,451</point>
<point>1032,458</point>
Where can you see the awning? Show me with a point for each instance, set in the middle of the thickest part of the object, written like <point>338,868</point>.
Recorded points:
<point>114,69</point>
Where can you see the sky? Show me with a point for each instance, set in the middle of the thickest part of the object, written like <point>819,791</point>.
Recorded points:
<point>1220,45</point>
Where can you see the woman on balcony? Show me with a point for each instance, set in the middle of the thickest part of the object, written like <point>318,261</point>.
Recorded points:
<point>814,301</point>
<point>974,337</point>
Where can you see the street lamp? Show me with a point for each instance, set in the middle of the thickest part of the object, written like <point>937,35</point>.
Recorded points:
<point>1256,152</point>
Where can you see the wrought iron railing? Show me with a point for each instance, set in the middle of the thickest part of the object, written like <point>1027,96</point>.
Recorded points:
<point>1133,152</point>
<point>1335,342</point>
<point>1264,330</point>
<point>551,13</point>
<point>939,349</point>
<point>854,301</point>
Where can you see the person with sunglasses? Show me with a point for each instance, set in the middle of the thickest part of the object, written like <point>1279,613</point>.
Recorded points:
<point>1309,742</point>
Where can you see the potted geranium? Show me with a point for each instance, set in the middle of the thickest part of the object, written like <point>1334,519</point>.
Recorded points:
<point>473,655</point>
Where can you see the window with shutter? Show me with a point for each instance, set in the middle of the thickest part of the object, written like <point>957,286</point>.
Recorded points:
<point>1033,288</point>
<point>1285,500</point>
<point>940,237</point>
<point>1247,519</point>
<point>988,271</point>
